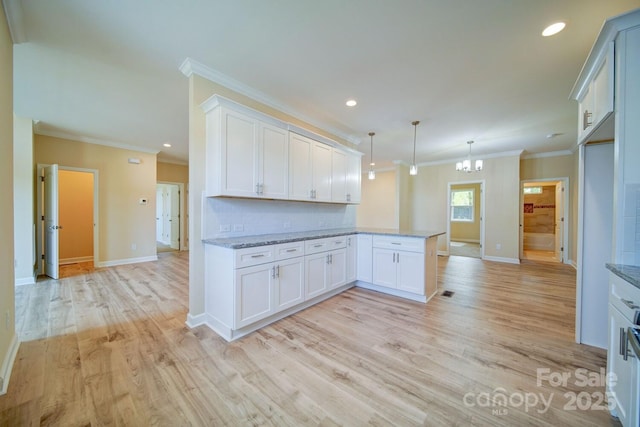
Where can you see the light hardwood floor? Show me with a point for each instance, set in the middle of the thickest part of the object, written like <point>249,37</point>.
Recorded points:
<point>109,347</point>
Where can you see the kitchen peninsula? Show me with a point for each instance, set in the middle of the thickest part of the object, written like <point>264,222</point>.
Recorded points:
<point>251,281</point>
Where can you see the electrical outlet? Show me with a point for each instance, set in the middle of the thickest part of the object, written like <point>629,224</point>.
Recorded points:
<point>225,227</point>
<point>498,246</point>
<point>238,227</point>
<point>287,224</point>
<point>134,246</point>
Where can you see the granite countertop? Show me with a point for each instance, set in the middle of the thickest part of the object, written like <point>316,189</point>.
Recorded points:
<point>630,273</point>
<point>241,242</point>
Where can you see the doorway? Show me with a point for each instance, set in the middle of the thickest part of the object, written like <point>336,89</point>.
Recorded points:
<point>169,229</point>
<point>543,229</point>
<point>465,225</point>
<point>67,205</point>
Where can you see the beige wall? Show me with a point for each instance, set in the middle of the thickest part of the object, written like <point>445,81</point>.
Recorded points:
<point>75,213</point>
<point>502,189</point>
<point>379,207</point>
<point>123,221</point>
<point>468,231</point>
<point>23,200</point>
<point>558,167</point>
<point>170,172</point>
<point>7,296</point>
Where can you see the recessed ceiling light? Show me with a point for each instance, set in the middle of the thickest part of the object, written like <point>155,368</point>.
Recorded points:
<point>166,144</point>
<point>351,103</point>
<point>553,135</point>
<point>553,29</point>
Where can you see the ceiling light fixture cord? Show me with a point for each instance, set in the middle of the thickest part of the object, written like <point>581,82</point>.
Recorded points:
<point>413,170</point>
<point>372,173</point>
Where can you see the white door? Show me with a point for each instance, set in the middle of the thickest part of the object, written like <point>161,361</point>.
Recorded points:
<point>51,226</point>
<point>274,162</point>
<point>159,213</point>
<point>174,215</point>
<point>410,266</point>
<point>559,222</point>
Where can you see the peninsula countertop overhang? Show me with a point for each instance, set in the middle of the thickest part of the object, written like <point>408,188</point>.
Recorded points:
<point>241,242</point>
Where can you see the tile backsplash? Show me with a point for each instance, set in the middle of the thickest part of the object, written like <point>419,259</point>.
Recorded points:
<point>227,217</point>
<point>631,238</point>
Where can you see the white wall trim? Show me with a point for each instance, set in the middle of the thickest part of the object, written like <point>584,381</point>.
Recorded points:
<point>15,20</point>
<point>190,66</point>
<point>25,281</point>
<point>501,259</point>
<point>125,261</point>
<point>197,320</point>
<point>7,364</point>
<point>39,130</point>
<point>75,260</point>
<point>548,154</point>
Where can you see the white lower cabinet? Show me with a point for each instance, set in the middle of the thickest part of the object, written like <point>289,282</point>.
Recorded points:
<point>326,269</point>
<point>254,294</point>
<point>398,268</point>
<point>289,285</point>
<point>364,261</point>
<point>352,258</point>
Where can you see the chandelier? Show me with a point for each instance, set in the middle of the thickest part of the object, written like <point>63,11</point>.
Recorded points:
<point>465,165</point>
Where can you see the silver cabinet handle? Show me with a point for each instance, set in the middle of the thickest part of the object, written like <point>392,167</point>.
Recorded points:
<point>586,117</point>
<point>291,250</point>
<point>328,262</point>
<point>318,245</point>
<point>257,188</point>
<point>278,271</point>
<point>396,243</point>
<point>273,272</point>
<point>623,343</point>
<point>629,303</point>
<point>257,256</point>
<point>394,257</point>
<point>398,258</point>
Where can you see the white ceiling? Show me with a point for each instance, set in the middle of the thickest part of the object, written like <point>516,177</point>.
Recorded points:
<point>467,69</point>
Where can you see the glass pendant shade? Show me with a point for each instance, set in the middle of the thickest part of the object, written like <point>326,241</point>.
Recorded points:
<point>372,174</point>
<point>478,165</point>
<point>413,170</point>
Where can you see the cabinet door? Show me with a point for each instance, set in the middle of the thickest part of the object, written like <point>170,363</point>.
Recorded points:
<point>337,274</point>
<point>254,299</point>
<point>339,172</point>
<point>239,154</point>
<point>299,167</point>
<point>365,253</point>
<point>602,88</point>
<point>621,392</point>
<point>352,254</point>
<point>354,178</point>
<point>410,272</point>
<point>273,165</point>
<point>315,269</point>
<point>289,283</point>
<point>321,172</point>
<point>384,267</point>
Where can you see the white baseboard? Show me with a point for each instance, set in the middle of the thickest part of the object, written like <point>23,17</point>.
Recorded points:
<point>501,259</point>
<point>7,364</point>
<point>465,240</point>
<point>572,263</point>
<point>197,320</point>
<point>126,261</point>
<point>75,260</point>
<point>25,281</point>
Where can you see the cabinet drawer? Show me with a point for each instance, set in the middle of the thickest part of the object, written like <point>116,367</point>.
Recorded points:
<point>624,296</point>
<point>289,250</point>
<point>254,256</point>
<point>410,244</point>
<point>327,244</point>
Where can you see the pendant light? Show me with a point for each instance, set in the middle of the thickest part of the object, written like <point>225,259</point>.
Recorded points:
<point>465,165</point>
<point>413,170</point>
<point>372,173</point>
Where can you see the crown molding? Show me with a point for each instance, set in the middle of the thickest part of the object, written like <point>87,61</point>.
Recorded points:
<point>172,162</point>
<point>547,154</point>
<point>190,67</point>
<point>15,20</point>
<point>88,140</point>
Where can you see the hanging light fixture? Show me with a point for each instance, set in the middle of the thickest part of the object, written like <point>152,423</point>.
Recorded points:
<point>413,170</point>
<point>372,173</point>
<point>465,165</point>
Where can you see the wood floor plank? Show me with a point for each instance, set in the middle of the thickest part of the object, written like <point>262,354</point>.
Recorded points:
<point>109,346</point>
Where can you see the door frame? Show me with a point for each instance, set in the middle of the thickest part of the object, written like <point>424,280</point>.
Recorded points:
<point>565,227</point>
<point>482,218</point>
<point>183,241</point>
<point>40,207</point>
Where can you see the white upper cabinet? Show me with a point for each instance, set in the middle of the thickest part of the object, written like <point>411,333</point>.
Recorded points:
<point>309,169</point>
<point>595,99</point>
<point>252,155</point>
<point>246,157</point>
